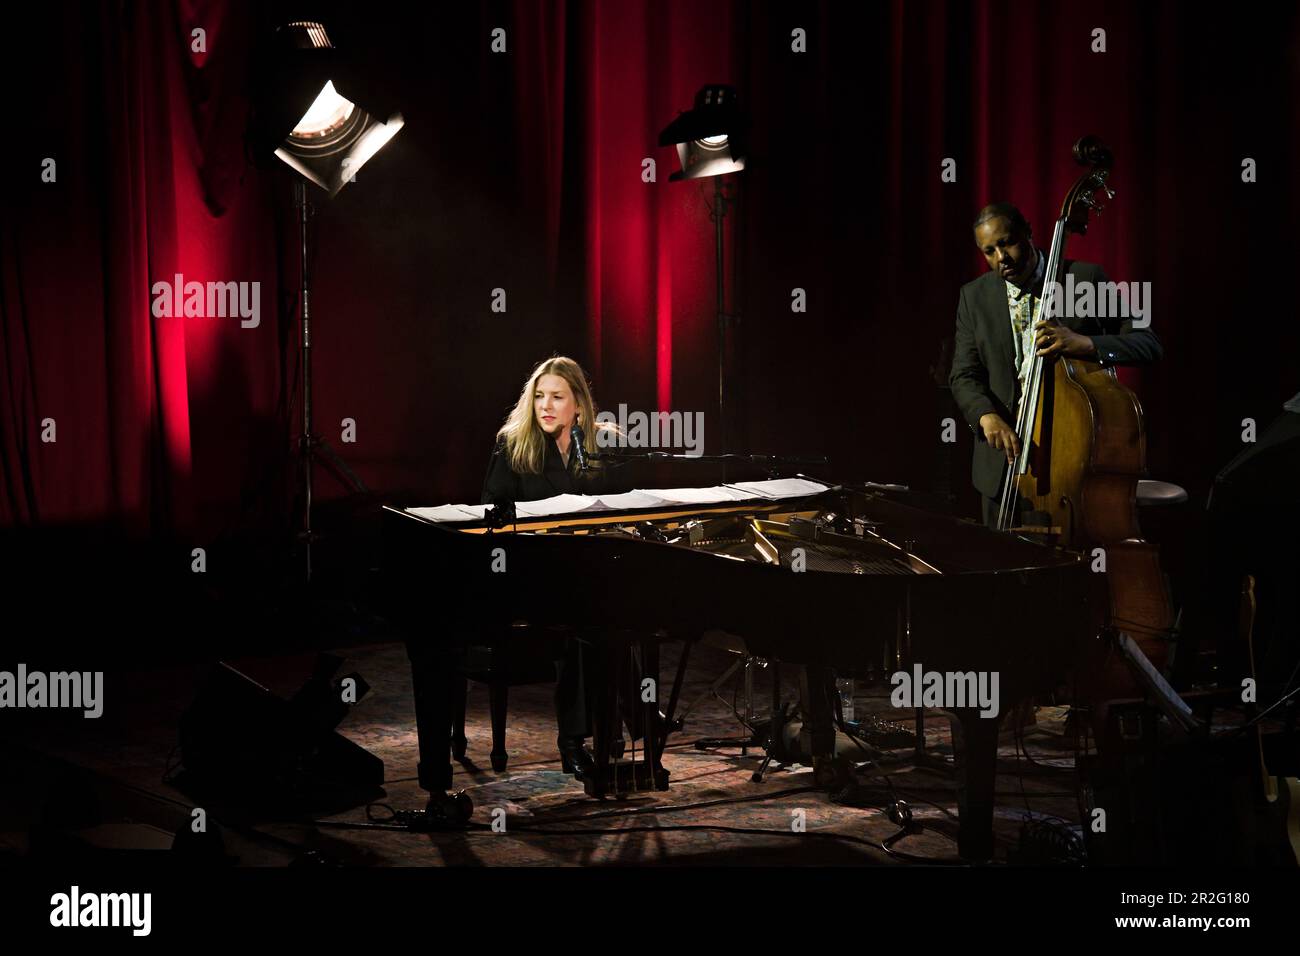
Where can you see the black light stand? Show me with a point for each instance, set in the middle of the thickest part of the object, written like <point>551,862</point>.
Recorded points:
<point>717,214</point>
<point>309,445</point>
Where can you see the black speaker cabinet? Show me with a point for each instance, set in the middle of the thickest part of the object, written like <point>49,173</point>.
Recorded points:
<point>244,742</point>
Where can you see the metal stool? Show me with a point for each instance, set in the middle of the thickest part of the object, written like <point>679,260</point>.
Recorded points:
<point>1154,493</point>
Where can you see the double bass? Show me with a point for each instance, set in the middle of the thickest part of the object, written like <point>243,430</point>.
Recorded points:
<point>1082,451</point>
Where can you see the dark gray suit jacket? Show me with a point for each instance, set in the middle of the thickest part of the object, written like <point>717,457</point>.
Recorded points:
<point>983,375</point>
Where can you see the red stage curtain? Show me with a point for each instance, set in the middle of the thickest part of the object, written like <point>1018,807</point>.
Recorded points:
<point>524,171</point>
<point>153,416</point>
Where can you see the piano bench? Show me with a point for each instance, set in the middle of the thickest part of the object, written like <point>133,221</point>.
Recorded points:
<point>500,667</point>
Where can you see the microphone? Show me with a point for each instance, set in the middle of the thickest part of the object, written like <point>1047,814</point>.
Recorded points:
<point>502,513</point>
<point>576,436</point>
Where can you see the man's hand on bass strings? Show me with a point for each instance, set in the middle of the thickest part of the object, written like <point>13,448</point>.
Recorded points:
<point>1000,435</point>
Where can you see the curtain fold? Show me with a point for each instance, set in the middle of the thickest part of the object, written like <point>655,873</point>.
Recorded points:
<point>149,414</point>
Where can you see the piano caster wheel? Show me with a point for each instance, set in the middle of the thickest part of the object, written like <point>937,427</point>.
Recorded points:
<point>458,745</point>
<point>447,811</point>
<point>499,761</point>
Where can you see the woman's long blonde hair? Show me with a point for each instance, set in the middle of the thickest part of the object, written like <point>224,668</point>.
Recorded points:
<point>524,439</point>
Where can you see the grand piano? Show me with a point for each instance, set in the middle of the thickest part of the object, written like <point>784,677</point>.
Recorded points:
<point>854,579</point>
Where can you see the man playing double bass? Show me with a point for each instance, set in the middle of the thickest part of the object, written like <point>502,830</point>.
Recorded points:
<point>997,325</point>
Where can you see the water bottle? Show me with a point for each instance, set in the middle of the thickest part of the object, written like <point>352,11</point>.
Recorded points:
<point>845,687</point>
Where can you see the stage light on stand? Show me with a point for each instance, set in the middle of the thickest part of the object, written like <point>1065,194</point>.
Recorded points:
<point>712,141</point>
<point>312,115</point>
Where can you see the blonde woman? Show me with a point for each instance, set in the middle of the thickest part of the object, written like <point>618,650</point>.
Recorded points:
<point>535,458</point>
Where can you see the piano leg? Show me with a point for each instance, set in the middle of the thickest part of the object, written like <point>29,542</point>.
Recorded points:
<point>975,752</point>
<point>498,706</point>
<point>434,674</point>
<point>817,736</point>
<point>818,741</point>
<point>460,695</point>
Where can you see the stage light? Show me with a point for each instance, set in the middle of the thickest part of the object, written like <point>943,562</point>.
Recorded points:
<point>325,116</point>
<point>332,137</point>
<point>710,138</point>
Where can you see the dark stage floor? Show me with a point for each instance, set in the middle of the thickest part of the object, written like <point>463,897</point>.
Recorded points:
<point>105,783</point>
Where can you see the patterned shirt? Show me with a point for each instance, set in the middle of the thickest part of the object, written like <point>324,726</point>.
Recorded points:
<point>1024,308</point>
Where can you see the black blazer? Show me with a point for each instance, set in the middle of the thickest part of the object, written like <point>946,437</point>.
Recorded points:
<point>983,377</point>
<point>501,483</point>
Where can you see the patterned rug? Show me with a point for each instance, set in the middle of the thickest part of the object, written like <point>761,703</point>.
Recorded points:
<point>713,813</point>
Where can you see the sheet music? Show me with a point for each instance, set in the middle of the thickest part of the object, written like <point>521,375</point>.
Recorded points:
<point>699,496</point>
<point>632,500</point>
<point>451,512</point>
<point>780,488</point>
<point>558,505</point>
